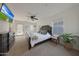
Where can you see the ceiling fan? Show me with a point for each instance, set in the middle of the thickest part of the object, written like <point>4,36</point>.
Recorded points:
<point>32,17</point>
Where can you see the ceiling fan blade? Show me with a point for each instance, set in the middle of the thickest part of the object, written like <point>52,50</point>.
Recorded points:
<point>36,18</point>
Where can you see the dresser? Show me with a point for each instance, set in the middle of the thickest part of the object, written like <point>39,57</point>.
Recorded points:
<point>6,42</point>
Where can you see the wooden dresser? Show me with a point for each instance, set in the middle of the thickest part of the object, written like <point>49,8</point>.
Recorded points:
<point>6,42</point>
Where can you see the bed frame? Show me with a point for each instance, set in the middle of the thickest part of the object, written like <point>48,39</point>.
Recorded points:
<point>37,43</point>
<point>45,27</point>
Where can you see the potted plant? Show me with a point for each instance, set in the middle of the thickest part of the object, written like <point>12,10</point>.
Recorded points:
<point>67,38</point>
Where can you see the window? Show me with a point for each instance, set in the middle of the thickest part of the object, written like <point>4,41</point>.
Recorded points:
<point>58,27</point>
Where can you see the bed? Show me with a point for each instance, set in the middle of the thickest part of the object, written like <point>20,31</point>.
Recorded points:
<point>38,37</point>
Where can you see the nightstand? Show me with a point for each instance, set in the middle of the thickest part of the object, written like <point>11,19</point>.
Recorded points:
<point>55,39</point>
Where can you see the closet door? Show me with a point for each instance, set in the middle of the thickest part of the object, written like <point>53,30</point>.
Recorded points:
<point>19,29</point>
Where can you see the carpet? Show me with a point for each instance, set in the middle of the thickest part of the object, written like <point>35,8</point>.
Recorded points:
<point>50,49</point>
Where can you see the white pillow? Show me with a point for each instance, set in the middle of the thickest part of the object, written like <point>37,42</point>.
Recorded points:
<point>34,37</point>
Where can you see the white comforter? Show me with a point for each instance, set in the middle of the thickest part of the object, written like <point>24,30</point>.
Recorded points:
<point>40,38</point>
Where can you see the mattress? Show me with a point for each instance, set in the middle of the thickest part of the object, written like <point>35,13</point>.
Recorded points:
<point>40,38</point>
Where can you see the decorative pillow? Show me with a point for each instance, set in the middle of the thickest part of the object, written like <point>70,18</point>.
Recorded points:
<point>34,37</point>
<point>43,31</point>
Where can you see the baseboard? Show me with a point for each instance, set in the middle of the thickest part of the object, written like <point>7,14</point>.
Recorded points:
<point>71,48</point>
<point>75,49</point>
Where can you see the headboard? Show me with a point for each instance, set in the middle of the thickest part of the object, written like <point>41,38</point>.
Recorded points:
<point>47,28</point>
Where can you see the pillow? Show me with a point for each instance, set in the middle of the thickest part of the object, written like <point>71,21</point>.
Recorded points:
<point>34,37</point>
<point>43,31</point>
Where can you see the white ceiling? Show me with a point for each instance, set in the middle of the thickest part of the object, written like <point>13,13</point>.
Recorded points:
<point>41,10</point>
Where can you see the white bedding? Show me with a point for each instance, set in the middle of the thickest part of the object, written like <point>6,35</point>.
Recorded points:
<point>40,38</point>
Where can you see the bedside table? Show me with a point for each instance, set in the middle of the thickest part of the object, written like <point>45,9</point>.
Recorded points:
<point>55,39</point>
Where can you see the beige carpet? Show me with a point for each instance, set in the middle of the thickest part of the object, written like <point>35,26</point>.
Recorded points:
<point>20,46</point>
<point>45,49</point>
<point>50,49</point>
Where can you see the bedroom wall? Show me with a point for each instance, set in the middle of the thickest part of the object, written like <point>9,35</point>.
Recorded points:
<point>27,26</point>
<point>4,27</point>
<point>70,18</point>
